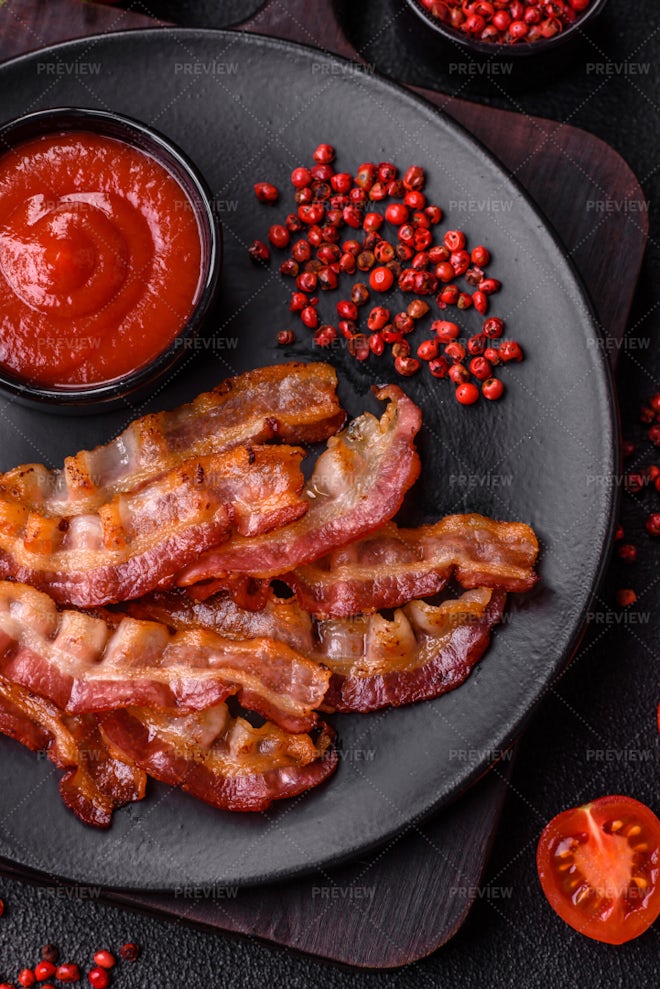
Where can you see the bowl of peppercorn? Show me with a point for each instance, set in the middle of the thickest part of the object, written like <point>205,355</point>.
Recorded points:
<point>511,29</point>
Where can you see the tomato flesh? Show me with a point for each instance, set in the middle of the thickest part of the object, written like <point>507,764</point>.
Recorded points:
<point>599,866</point>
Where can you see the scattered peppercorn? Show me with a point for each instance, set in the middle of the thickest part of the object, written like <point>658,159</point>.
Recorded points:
<point>455,351</point>
<point>417,308</point>
<point>279,235</point>
<point>105,959</point>
<point>325,336</point>
<point>627,552</point>
<point>401,349</point>
<point>325,153</point>
<point>98,978</point>
<point>301,177</point>
<point>480,255</point>
<point>492,389</point>
<point>467,393</point>
<point>376,344</point>
<point>439,367</point>
<point>493,327</point>
<point>428,350</point>
<point>259,252</point>
<point>358,347</point>
<point>481,368</point>
<point>445,330</point>
<point>310,317</point>
<point>458,373</point>
<point>406,366</point>
<point>347,328</point>
<point>418,261</point>
<point>43,971</point>
<point>480,302</point>
<point>489,286</point>
<point>360,294</point>
<point>366,261</point>
<point>653,524</point>
<point>130,952</point>
<point>476,345</point>
<point>347,309</point>
<point>289,268</point>
<point>266,192</point>
<point>67,972</point>
<point>633,483</point>
<point>381,279</point>
<point>404,323</point>
<point>396,214</point>
<point>510,351</point>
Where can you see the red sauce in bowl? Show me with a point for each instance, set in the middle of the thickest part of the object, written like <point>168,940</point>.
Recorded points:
<point>100,259</point>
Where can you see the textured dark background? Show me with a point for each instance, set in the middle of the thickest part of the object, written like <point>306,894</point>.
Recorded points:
<point>596,733</point>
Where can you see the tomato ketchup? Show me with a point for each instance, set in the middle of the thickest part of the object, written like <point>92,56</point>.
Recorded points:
<point>100,259</point>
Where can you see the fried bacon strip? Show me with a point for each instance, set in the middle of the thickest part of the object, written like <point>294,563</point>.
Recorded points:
<point>139,539</point>
<point>222,760</point>
<point>293,403</point>
<point>422,652</point>
<point>84,664</point>
<point>395,565</point>
<point>358,483</point>
<point>392,566</point>
<point>95,783</point>
<point>281,619</point>
<point>219,758</point>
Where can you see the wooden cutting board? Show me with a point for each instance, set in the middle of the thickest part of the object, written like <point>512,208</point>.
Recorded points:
<point>386,910</point>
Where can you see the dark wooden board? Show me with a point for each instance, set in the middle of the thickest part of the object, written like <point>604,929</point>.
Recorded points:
<point>390,910</point>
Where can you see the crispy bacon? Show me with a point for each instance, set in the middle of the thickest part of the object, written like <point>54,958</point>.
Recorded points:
<point>358,483</point>
<point>139,539</point>
<point>222,760</point>
<point>395,565</point>
<point>281,619</point>
<point>248,592</point>
<point>294,403</point>
<point>83,664</point>
<point>219,758</point>
<point>95,783</point>
<point>422,652</point>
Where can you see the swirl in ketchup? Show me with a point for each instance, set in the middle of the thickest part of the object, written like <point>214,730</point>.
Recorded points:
<point>100,259</point>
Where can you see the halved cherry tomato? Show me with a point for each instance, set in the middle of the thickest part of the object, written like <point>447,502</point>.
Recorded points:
<point>599,867</point>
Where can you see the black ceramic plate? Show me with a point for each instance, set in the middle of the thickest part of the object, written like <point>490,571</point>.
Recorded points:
<point>245,109</point>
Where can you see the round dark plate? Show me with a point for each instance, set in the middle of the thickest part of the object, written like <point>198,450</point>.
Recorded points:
<point>247,108</point>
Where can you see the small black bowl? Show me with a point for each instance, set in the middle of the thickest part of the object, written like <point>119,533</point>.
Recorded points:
<point>519,51</point>
<point>104,395</point>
